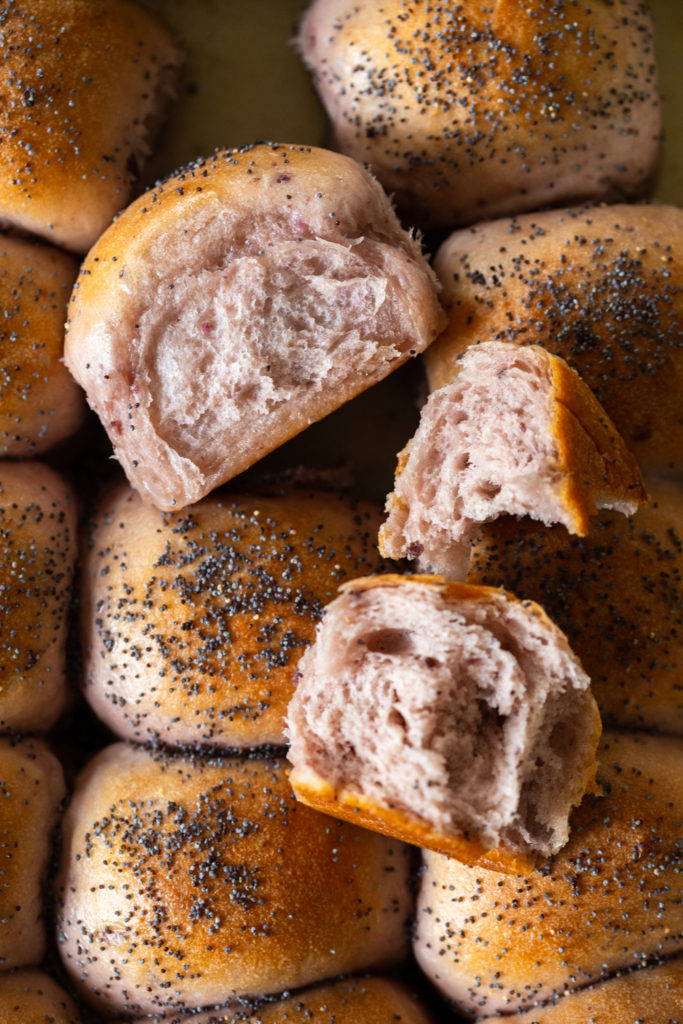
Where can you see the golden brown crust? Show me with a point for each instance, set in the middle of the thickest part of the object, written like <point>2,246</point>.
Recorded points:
<point>609,899</point>
<point>40,403</point>
<point>354,1001</point>
<point>600,287</point>
<point>596,464</point>
<point>318,792</point>
<point>511,419</point>
<point>184,882</point>
<point>37,556</point>
<point>31,789</point>
<point>650,994</point>
<point>467,111</point>
<point>193,622</point>
<point>313,790</point>
<point>616,593</point>
<point>76,114</point>
<point>33,997</point>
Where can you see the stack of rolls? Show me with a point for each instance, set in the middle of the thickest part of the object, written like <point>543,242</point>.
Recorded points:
<point>449,811</point>
<point>191,878</point>
<point>601,289</point>
<point>83,84</point>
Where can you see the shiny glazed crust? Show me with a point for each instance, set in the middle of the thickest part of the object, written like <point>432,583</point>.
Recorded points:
<point>183,882</point>
<point>193,623</point>
<point>474,110</point>
<point>76,114</point>
<point>600,287</point>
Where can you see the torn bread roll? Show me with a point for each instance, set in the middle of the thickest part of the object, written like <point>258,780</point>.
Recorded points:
<point>602,288</point>
<point>183,882</point>
<point>647,994</point>
<point>37,558</point>
<point>351,1001</point>
<point>516,431</point>
<point>31,789</point>
<point>610,900</point>
<point>40,403</point>
<point>474,110</point>
<point>86,84</point>
<point>617,593</point>
<point>454,717</point>
<point>193,622</point>
<point>30,996</point>
<point>237,303</point>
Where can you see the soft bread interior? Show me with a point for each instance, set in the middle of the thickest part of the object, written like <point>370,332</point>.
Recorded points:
<point>233,344</point>
<point>472,714</point>
<point>486,446</point>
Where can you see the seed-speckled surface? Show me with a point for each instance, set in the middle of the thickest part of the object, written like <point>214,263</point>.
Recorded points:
<point>649,994</point>
<point>33,997</point>
<point>610,899</point>
<point>194,622</point>
<point>40,403</point>
<point>37,555</point>
<point>603,288</point>
<point>31,788</point>
<point>478,109</point>
<point>358,1001</point>
<point>82,83</point>
<point>617,594</point>
<point>184,883</point>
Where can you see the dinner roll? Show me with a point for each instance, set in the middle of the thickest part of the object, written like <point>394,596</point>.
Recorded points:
<point>454,717</point>
<point>611,899</point>
<point>193,622</point>
<point>183,883</point>
<point>31,788</point>
<point>618,595</point>
<point>647,995</point>
<point>352,1001</point>
<point>37,555</point>
<point>84,86</point>
<point>601,287</point>
<point>478,109</point>
<point>517,431</point>
<point>237,303</point>
<point>40,403</point>
<point>30,996</point>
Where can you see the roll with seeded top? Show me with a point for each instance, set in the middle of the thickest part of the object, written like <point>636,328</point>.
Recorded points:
<point>85,83</point>
<point>600,287</point>
<point>476,109</point>
<point>184,882</point>
<point>193,622</point>
<point>354,1001</point>
<point>610,900</point>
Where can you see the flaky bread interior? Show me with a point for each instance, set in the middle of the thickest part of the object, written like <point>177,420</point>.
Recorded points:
<point>458,706</point>
<point>517,432</point>
<point>237,303</point>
